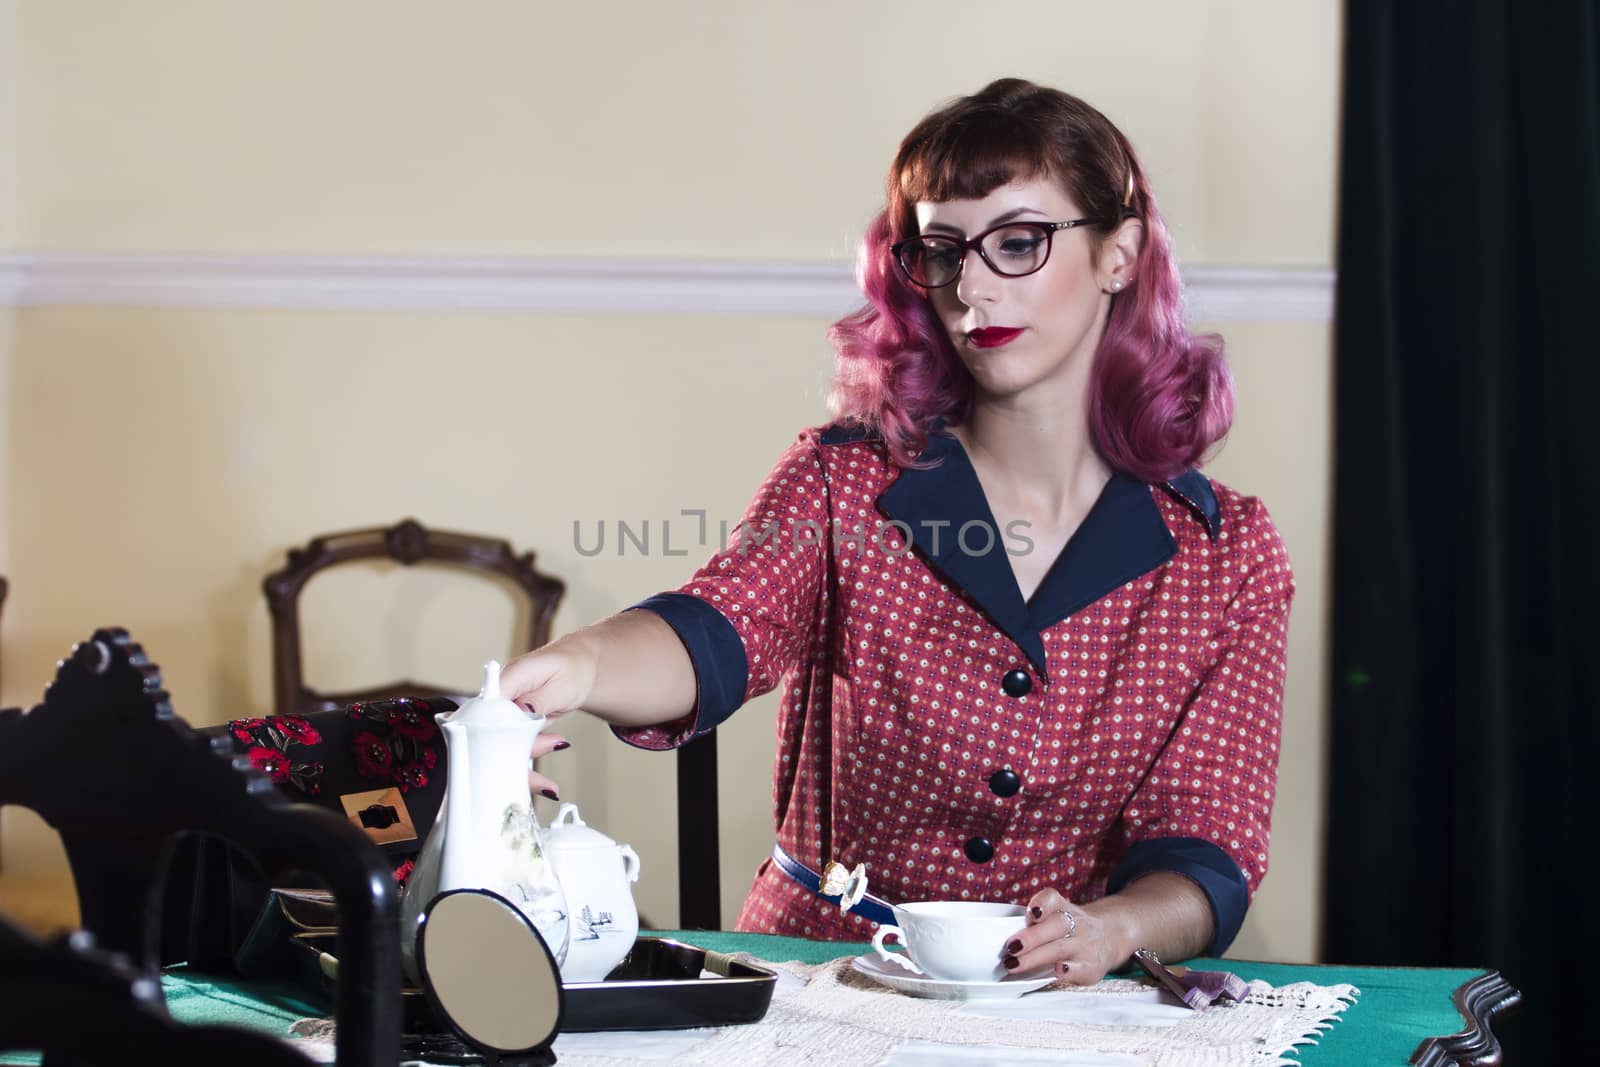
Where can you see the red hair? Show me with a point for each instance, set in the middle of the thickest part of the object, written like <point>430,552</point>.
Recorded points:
<point>1159,396</point>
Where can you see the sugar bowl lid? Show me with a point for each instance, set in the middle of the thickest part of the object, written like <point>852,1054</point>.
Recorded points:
<point>568,830</point>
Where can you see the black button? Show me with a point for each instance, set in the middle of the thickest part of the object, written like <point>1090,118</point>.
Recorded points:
<point>1005,783</point>
<point>1017,683</point>
<point>978,849</point>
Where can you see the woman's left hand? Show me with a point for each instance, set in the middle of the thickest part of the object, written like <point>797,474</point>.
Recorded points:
<point>1065,940</point>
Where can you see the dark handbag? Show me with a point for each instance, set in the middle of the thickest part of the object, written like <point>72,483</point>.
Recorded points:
<point>380,764</point>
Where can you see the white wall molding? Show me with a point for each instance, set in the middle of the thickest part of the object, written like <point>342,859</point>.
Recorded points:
<point>11,280</point>
<point>571,286</point>
<point>1260,294</point>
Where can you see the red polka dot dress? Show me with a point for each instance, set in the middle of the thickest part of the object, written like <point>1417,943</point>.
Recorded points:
<point>963,743</point>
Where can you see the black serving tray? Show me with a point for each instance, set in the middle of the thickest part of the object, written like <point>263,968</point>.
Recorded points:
<point>660,985</point>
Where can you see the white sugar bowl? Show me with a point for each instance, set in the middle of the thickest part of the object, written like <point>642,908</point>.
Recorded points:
<point>597,875</point>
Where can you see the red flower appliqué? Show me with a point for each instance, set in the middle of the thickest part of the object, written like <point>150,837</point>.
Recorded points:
<point>413,775</point>
<point>412,720</point>
<point>268,746</point>
<point>373,756</point>
<point>399,743</point>
<point>270,762</point>
<point>298,730</point>
<point>245,729</point>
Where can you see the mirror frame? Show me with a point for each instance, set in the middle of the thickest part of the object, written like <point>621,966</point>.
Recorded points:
<point>444,1014</point>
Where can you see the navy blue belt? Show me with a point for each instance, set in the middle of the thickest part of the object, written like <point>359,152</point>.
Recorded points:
<point>870,907</point>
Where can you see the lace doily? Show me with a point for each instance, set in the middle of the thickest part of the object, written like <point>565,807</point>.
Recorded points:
<point>830,1010</point>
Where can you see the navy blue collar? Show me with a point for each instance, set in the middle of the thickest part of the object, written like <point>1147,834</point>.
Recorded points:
<point>1122,537</point>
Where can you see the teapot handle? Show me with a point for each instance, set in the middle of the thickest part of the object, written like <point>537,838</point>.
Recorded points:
<point>630,862</point>
<point>567,815</point>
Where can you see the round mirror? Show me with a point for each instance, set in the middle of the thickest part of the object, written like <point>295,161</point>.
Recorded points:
<point>488,973</point>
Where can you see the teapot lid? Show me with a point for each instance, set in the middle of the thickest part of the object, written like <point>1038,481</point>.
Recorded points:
<point>568,830</point>
<point>489,708</point>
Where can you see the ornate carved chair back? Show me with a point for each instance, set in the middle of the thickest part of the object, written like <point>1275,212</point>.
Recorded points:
<point>407,542</point>
<point>83,1005</point>
<point>106,763</point>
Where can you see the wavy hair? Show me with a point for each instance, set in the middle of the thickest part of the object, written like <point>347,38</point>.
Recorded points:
<point>1159,396</point>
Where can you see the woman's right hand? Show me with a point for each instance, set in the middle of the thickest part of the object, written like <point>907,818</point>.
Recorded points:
<point>629,670</point>
<point>554,679</point>
<point>550,681</point>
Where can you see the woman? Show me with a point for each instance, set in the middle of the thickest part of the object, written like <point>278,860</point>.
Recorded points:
<point>1027,653</point>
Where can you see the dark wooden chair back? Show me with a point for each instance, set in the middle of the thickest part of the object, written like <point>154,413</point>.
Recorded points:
<point>83,1005</point>
<point>107,764</point>
<point>4,588</point>
<point>699,861</point>
<point>407,542</point>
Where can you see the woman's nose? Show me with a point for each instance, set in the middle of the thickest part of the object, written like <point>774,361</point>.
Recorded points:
<point>977,284</point>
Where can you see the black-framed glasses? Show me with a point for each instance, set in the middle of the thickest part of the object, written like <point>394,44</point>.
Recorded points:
<point>1012,250</point>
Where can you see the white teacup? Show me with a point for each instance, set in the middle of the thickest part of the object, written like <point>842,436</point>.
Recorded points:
<point>952,940</point>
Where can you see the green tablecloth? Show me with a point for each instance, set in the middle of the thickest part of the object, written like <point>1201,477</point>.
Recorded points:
<point>1397,1009</point>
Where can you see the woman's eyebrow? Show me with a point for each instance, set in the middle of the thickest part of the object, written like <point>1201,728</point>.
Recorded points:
<point>998,220</point>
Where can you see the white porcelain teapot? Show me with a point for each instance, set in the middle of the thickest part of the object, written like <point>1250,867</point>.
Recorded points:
<point>597,875</point>
<point>486,836</point>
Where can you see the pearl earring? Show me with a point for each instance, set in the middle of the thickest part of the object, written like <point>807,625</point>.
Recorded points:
<point>1116,285</point>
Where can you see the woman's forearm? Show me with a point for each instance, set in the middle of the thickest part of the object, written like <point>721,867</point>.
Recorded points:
<point>642,672</point>
<point>1163,912</point>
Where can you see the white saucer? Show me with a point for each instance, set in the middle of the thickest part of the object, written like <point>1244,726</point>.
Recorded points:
<point>896,977</point>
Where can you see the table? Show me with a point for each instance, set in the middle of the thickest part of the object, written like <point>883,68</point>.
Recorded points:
<point>1427,1016</point>
<point>1423,1015</point>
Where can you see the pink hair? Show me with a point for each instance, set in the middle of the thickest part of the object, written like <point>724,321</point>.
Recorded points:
<point>1159,396</point>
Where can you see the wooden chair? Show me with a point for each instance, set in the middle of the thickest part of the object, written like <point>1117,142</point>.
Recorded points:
<point>85,1006</point>
<point>107,764</point>
<point>4,588</point>
<point>699,861</point>
<point>407,542</point>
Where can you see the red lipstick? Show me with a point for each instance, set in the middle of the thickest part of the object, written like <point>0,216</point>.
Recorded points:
<point>993,336</point>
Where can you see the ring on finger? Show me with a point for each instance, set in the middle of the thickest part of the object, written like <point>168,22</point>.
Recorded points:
<point>1072,924</point>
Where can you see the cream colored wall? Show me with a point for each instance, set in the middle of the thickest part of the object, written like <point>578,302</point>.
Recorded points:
<point>718,128</point>
<point>8,229</point>
<point>199,445</point>
<point>8,123</point>
<point>1280,450</point>
<point>162,460</point>
<point>8,215</point>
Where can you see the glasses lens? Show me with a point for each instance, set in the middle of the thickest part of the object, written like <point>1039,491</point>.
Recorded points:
<point>932,261</point>
<point>1017,249</point>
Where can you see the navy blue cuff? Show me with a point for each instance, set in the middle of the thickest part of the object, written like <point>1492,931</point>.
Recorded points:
<point>721,671</point>
<point>1203,863</point>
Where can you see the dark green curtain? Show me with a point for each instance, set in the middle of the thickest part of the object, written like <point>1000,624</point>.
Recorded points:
<point>1465,778</point>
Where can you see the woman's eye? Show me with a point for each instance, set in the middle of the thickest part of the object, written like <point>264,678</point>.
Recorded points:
<point>1020,246</point>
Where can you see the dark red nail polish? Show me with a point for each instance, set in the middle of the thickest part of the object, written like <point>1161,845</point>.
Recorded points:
<point>1036,911</point>
<point>559,745</point>
<point>1010,963</point>
<point>550,794</point>
<point>1014,946</point>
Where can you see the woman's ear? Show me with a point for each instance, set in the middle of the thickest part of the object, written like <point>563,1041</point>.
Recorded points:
<point>1119,254</point>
